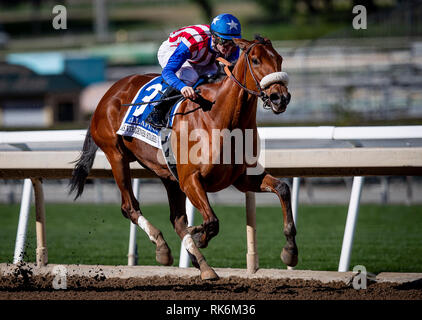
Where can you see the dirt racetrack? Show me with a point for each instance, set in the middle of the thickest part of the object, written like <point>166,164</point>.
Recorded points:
<point>26,282</point>
<point>167,288</point>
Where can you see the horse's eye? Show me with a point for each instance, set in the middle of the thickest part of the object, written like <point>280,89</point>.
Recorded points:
<point>255,61</point>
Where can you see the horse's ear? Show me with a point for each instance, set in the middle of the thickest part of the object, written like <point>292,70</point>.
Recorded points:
<point>242,43</point>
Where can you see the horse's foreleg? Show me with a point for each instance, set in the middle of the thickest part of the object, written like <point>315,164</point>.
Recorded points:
<point>178,217</point>
<point>289,255</point>
<point>130,208</point>
<point>267,183</point>
<point>197,195</point>
<point>207,273</point>
<point>198,236</point>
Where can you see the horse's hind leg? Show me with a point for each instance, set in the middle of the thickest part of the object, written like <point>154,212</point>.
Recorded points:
<point>267,183</point>
<point>177,202</point>
<point>130,207</point>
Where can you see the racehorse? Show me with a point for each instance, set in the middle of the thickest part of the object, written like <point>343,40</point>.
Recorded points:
<point>257,74</point>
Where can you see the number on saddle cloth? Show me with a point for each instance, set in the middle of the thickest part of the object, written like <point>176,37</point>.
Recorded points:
<point>151,92</point>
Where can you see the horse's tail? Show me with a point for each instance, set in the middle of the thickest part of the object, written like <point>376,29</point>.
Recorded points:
<point>83,165</point>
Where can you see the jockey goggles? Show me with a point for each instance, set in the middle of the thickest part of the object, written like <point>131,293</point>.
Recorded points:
<point>222,41</point>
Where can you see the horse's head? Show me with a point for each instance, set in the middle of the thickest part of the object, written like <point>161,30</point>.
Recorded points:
<point>264,64</point>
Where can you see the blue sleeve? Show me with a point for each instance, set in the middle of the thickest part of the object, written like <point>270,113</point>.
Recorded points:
<point>234,56</point>
<point>179,56</point>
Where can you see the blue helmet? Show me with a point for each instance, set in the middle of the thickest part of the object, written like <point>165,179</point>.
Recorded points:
<point>226,26</point>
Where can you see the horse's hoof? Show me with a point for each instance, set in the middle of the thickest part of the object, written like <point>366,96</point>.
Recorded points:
<point>164,259</point>
<point>209,274</point>
<point>163,256</point>
<point>289,257</point>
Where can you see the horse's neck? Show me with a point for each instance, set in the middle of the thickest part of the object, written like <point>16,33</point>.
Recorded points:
<point>239,112</point>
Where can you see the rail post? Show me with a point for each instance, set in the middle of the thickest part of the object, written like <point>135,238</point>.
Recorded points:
<point>349,230</point>
<point>252,262</point>
<point>295,197</point>
<point>42,254</point>
<point>132,256</point>
<point>23,221</point>
<point>295,203</point>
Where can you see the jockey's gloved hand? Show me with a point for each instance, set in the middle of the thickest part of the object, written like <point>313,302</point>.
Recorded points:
<point>188,93</point>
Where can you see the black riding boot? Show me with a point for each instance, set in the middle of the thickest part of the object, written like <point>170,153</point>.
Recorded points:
<point>157,117</point>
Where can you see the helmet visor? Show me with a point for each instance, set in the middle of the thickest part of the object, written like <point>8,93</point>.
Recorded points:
<point>222,41</point>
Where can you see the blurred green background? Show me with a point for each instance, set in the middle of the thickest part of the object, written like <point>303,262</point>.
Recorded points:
<point>54,78</point>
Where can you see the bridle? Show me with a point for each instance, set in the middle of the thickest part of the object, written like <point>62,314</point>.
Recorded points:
<point>259,93</point>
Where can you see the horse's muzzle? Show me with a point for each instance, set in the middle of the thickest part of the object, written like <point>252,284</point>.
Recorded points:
<point>279,102</point>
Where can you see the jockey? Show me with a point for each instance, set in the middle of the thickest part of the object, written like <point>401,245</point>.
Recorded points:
<point>189,53</point>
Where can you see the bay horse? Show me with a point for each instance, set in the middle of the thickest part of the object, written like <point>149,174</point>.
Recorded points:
<point>257,74</point>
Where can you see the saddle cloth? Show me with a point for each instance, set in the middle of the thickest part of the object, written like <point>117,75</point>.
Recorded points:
<point>133,124</point>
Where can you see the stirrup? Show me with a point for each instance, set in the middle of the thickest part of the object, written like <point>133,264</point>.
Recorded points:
<point>158,125</point>
<point>156,119</point>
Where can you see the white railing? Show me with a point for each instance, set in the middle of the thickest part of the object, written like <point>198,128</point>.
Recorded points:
<point>281,163</point>
<point>267,133</point>
<point>341,133</point>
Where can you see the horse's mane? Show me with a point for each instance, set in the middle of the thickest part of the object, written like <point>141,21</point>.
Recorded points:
<point>262,40</point>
